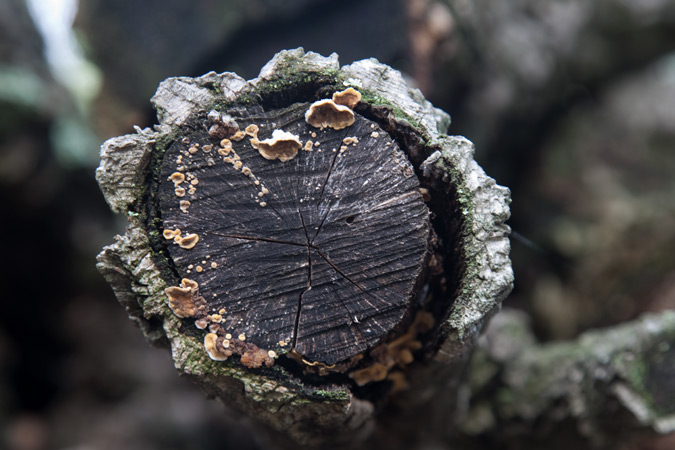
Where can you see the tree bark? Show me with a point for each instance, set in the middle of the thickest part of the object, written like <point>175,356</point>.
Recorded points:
<point>597,391</point>
<point>330,290</point>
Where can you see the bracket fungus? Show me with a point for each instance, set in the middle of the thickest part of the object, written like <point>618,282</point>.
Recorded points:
<point>327,113</point>
<point>282,146</point>
<point>316,267</point>
<point>211,347</point>
<point>188,241</point>
<point>350,97</point>
<point>184,299</point>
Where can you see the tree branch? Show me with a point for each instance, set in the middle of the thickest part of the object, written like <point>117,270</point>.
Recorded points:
<point>604,387</point>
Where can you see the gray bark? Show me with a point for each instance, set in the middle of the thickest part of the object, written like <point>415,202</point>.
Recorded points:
<point>603,388</point>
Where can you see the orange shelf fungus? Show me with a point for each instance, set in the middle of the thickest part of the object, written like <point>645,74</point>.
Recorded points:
<point>238,136</point>
<point>252,130</point>
<point>211,347</point>
<point>177,178</point>
<point>349,97</point>
<point>254,358</point>
<point>282,145</point>
<point>188,241</point>
<point>398,352</point>
<point>327,113</point>
<point>182,299</point>
<point>222,126</point>
<point>171,234</point>
<point>376,372</point>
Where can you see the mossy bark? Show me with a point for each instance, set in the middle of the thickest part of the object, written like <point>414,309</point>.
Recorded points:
<point>468,215</point>
<point>596,391</point>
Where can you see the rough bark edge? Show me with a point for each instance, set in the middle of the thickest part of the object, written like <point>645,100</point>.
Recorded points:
<point>488,277</point>
<point>382,85</point>
<point>129,267</point>
<point>517,382</point>
<point>121,173</point>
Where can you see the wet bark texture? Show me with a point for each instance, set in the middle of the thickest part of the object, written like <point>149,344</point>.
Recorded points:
<point>327,266</point>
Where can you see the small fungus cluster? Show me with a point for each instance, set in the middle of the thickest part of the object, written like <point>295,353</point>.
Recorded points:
<point>220,346</point>
<point>397,353</point>
<point>346,142</point>
<point>335,113</point>
<point>185,302</point>
<point>187,242</point>
<point>200,267</point>
<point>226,150</point>
<point>178,178</point>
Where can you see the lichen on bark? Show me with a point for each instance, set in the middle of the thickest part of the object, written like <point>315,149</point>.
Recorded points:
<point>610,382</point>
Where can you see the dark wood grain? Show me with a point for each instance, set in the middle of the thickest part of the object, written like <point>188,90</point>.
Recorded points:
<point>327,261</point>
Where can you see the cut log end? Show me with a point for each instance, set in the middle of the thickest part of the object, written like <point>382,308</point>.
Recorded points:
<point>312,234</point>
<point>320,254</point>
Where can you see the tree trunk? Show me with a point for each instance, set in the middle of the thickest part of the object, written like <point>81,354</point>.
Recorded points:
<point>322,264</point>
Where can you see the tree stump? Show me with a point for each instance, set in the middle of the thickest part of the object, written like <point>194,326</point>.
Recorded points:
<point>318,255</point>
<point>310,245</point>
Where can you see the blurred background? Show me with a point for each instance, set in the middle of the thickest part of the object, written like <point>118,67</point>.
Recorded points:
<point>571,104</point>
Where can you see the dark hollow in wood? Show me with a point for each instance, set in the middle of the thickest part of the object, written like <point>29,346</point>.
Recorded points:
<point>322,254</point>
